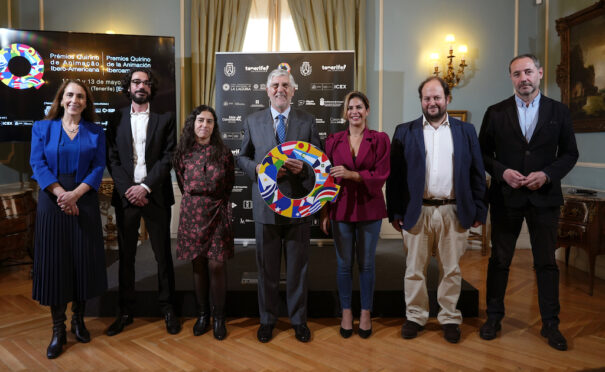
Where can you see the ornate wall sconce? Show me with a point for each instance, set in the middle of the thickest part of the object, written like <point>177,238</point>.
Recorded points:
<point>451,77</point>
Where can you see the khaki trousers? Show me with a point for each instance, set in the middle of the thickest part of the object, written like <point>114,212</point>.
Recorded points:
<point>437,232</point>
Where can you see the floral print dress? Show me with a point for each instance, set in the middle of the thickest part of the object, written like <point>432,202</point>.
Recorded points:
<point>205,226</point>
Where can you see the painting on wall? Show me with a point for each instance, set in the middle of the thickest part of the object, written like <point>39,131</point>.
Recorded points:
<point>458,114</point>
<point>581,74</point>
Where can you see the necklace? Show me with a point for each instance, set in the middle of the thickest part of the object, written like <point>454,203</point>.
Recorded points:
<point>74,130</point>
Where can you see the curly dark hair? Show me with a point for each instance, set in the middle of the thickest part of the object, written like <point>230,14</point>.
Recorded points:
<point>128,77</point>
<point>188,137</point>
<point>57,111</point>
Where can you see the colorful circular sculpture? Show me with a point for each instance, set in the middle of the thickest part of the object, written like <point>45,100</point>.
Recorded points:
<point>324,190</point>
<point>33,79</point>
<point>284,66</point>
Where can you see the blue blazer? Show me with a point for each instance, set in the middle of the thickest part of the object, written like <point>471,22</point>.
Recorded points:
<point>45,153</point>
<point>405,185</point>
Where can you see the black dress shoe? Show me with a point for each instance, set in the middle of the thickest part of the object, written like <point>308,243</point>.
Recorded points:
<point>489,329</point>
<point>346,333</point>
<point>451,333</point>
<point>119,324</point>
<point>410,329</point>
<point>554,336</point>
<point>364,333</point>
<point>265,333</point>
<point>202,324</point>
<point>78,328</point>
<point>173,326</point>
<point>302,332</point>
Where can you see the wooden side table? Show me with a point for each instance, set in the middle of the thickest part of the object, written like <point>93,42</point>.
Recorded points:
<point>17,222</point>
<point>582,225</point>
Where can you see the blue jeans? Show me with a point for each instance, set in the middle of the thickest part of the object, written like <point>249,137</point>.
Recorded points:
<point>360,239</point>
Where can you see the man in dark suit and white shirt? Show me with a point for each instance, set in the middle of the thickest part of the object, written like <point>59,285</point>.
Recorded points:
<point>140,144</point>
<point>528,146</point>
<point>263,131</point>
<point>435,193</point>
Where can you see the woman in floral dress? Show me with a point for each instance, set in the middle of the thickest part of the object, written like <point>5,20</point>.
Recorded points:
<point>204,170</point>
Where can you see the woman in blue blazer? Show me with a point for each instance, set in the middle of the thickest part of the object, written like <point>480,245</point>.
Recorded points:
<point>68,160</point>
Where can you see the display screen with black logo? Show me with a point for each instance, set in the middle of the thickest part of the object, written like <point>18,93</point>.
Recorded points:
<point>33,64</point>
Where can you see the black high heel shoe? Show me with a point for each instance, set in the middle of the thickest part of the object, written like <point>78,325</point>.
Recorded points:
<point>364,333</point>
<point>346,333</point>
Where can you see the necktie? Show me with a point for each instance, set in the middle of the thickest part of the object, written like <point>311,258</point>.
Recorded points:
<point>281,128</point>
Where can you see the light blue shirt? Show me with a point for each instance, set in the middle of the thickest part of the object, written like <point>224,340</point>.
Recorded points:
<point>528,115</point>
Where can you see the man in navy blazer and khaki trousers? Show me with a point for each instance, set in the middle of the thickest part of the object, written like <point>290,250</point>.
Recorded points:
<point>528,146</point>
<point>435,193</point>
<point>274,233</point>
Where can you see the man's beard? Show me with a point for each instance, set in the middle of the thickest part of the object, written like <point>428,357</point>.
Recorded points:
<point>434,117</point>
<point>140,99</point>
<point>526,93</point>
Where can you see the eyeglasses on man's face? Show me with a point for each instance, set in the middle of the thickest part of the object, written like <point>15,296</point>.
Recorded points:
<point>138,81</point>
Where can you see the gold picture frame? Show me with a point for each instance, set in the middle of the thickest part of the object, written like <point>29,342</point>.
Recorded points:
<point>580,73</point>
<point>458,114</point>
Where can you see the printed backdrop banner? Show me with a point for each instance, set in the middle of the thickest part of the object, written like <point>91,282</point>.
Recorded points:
<point>323,79</point>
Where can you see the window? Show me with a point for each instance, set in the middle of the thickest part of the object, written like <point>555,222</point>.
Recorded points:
<point>270,28</point>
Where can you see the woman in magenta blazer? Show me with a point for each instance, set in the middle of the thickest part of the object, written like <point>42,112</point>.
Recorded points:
<point>360,164</point>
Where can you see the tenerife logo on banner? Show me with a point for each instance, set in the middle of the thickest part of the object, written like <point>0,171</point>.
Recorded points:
<point>305,68</point>
<point>261,68</point>
<point>336,68</point>
<point>229,69</point>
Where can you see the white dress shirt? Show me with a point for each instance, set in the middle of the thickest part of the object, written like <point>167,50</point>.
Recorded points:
<point>439,151</point>
<point>138,125</point>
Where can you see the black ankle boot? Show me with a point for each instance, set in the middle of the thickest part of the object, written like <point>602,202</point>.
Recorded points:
<point>219,329</point>
<point>202,324</point>
<point>77,322</point>
<point>58,339</point>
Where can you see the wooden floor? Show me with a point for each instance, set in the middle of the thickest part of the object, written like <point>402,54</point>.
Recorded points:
<point>25,332</point>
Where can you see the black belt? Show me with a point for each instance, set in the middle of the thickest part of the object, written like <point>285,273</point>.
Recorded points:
<point>438,201</point>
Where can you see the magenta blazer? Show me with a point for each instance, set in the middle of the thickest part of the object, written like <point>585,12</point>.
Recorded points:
<point>360,201</point>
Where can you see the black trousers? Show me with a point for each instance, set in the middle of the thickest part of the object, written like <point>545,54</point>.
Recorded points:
<point>157,222</point>
<point>542,223</point>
